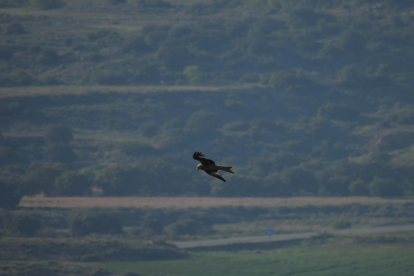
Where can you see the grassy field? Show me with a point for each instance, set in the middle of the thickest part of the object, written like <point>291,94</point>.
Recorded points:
<point>326,255</point>
<point>56,251</point>
<point>232,217</point>
<point>331,260</point>
<point>202,202</point>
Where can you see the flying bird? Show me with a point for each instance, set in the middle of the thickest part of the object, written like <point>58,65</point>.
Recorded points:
<point>209,166</point>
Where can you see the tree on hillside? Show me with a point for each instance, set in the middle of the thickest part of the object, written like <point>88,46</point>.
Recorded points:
<point>203,124</point>
<point>101,223</point>
<point>299,181</point>
<point>385,188</point>
<point>72,184</point>
<point>60,134</point>
<point>193,74</point>
<point>152,226</point>
<point>10,194</point>
<point>60,152</point>
<point>359,187</point>
<point>41,179</point>
<point>14,29</point>
<point>144,179</point>
<point>116,2</point>
<point>47,4</point>
<point>22,224</point>
<point>341,112</point>
<point>117,180</point>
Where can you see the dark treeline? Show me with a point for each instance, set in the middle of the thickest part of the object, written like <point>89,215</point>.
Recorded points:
<point>296,45</point>
<point>324,104</point>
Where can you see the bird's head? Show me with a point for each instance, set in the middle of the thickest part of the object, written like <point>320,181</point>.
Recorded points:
<point>199,166</point>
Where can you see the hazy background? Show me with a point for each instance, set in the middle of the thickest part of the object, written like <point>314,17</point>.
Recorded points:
<point>113,97</point>
<point>103,102</point>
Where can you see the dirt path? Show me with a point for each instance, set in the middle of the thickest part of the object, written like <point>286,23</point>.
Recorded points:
<point>200,202</point>
<point>284,237</point>
<point>9,92</point>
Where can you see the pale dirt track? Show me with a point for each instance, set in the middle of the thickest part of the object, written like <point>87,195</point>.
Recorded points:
<point>202,202</point>
<point>9,92</point>
<point>292,236</point>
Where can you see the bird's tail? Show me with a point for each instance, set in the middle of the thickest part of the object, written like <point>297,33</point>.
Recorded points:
<point>224,168</point>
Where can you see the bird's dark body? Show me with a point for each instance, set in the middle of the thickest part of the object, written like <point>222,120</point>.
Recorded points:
<point>209,166</point>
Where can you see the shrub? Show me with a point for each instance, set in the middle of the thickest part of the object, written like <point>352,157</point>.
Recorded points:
<point>299,181</point>
<point>18,78</point>
<point>190,226</point>
<point>46,4</point>
<point>385,188</point>
<point>152,227</point>
<point>149,129</point>
<point>60,152</point>
<point>10,195</point>
<point>292,82</point>
<point>72,184</point>
<point>348,76</point>
<point>22,224</point>
<point>6,53</point>
<point>340,224</point>
<point>101,223</point>
<point>359,187</point>
<point>41,179</point>
<point>108,77</point>
<point>148,74</point>
<point>60,134</point>
<point>238,186</point>
<point>339,112</point>
<point>193,74</point>
<point>119,180</point>
<point>131,274</point>
<point>153,4</point>
<point>203,124</point>
<point>116,2</point>
<point>13,3</point>
<point>14,28</point>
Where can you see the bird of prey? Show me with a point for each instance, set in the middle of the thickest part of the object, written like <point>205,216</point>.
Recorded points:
<point>209,166</point>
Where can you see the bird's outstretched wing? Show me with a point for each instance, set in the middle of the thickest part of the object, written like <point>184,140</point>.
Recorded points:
<point>217,175</point>
<point>200,157</point>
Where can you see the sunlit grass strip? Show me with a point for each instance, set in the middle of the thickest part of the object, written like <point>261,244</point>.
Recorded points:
<point>190,202</point>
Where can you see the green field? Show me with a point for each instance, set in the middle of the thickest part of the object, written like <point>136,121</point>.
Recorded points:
<point>331,260</point>
<point>390,254</point>
<point>144,243</point>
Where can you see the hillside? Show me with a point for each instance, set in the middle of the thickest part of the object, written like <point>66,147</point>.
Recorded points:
<point>113,97</point>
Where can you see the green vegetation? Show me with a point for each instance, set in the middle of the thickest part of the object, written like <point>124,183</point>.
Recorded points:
<point>196,223</point>
<point>237,42</point>
<point>103,223</point>
<point>310,97</point>
<point>88,250</point>
<point>340,224</point>
<point>330,100</point>
<point>117,241</point>
<point>10,195</point>
<point>21,224</point>
<point>331,260</point>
